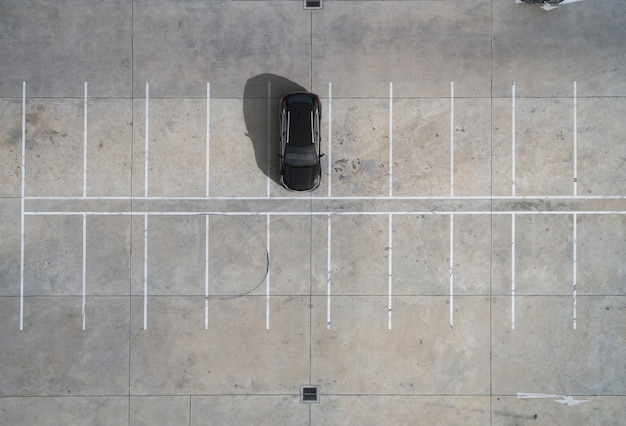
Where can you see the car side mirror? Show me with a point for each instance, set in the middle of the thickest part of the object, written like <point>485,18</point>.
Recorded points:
<point>321,155</point>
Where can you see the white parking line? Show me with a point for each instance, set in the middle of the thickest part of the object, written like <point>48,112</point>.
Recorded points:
<point>23,166</point>
<point>390,265</point>
<point>267,277</point>
<point>390,138</point>
<point>451,139</point>
<point>84,267</point>
<point>339,198</point>
<point>330,134</point>
<point>207,138</point>
<point>513,139</point>
<point>451,270</point>
<point>575,142</point>
<point>513,271</point>
<point>145,271</point>
<point>147,131</point>
<point>85,142</point>
<point>206,272</point>
<point>574,268</point>
<point>269,135</point>
<point>328,271</point>
<point>325,213</point>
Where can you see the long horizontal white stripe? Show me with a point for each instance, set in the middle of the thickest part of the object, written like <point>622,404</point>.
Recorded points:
<point>322,213</point>
<point>335,198</point>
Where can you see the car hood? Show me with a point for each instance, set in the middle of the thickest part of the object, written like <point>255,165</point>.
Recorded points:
<point>301,178</point>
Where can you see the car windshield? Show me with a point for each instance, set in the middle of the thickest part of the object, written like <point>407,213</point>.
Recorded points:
<point>300,156</point>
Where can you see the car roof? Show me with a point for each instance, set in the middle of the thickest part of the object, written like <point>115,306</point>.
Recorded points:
<point>300,123</point>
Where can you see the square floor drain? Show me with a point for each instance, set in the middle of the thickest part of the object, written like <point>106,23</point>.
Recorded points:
<point>309,394</point>
<point>313,4</point>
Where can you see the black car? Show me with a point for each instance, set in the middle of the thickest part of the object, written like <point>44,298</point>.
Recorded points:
<point>300,142</point>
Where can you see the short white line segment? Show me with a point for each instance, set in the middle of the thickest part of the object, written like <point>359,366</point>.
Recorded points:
<point>269,136</point>
<point>207,138</point>
<point>451,271</point>
<point>328,270</point>
<point>575,142</point>
<point>390,138</point>
<point>451,139</point>
<point>574,267</point>
<point>390,266</point>
<point>23,165</point>
<point>513,271</point>
<point>145,271</point>
<point>267,277</point>
<point>330,133</point>
<point>147,136</point>
<point>513,148</point>
<point>85,142</point>
<point>206,272</point>
<point>84,267</point>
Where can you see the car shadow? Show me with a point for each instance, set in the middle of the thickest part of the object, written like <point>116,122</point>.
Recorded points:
<point>260,112</point>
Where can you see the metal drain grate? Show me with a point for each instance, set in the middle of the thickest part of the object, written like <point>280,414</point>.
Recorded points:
<point>313,4</point>
<point>309,394</point>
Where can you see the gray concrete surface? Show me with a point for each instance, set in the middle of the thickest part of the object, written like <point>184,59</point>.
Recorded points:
<point>462,261</point>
